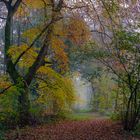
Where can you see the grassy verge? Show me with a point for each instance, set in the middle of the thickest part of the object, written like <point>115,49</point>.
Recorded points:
<point>79,116</point>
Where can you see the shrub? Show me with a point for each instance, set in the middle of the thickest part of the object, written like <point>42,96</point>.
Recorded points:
<point>136,131</point>
<point>9,108</point>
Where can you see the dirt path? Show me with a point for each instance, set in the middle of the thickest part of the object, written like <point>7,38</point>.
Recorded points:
<point>75,130</point>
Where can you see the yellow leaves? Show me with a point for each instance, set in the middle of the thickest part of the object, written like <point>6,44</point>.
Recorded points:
<point>31,34</point>
<point>44,70</point>
<point>36,4</point>
<point>59,29</point>
<point>27,5</point>
<point>4,83</point>
<point>55,89</point>
<point>69,90</point>
<point>21,12</point>
<point>27,59</point>
<point>54,79</point>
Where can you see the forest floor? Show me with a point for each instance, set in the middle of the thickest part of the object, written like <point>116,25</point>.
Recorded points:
<point>82,129</point>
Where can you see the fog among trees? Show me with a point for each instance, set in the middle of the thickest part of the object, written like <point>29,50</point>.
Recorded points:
<point>69,61</point>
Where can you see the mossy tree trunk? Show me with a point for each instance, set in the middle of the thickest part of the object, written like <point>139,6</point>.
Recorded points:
<point>23,82</point>
<point>24,106</point>
<point>23,99</point>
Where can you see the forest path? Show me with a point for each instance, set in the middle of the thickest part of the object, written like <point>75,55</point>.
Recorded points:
<point>101,129</point>
<point>86,116</point>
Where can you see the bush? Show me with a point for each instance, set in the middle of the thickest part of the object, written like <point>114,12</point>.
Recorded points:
<point>36,112</point>
<point>9,108</point>
<point>136,131</point>
<point>116,116</point>
<point>2,135</point>
<point>41,113</point>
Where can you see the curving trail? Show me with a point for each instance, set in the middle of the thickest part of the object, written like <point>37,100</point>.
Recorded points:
<point>75,130</point>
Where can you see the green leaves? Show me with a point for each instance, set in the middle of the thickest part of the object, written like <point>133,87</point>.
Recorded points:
<point>9,107</point>
<point>127,40</point>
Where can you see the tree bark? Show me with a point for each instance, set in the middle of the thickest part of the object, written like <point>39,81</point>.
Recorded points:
<point>24,106</point>
<point>21,82</point>
<point>23,98</point>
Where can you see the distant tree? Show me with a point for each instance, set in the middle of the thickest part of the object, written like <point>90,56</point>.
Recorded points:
<point>115,28</point>
<point>119,52</point>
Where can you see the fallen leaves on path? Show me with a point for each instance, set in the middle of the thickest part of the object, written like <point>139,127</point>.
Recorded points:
<point>75,130</point>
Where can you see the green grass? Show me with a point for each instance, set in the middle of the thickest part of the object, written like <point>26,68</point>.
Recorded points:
<point>79,116</point>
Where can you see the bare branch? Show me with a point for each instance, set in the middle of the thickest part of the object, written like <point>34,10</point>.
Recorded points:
<point>16,5</point>
<point>4,18</point>
<point>75,7</point>
<point>4,90</point>
<point>102,33</point>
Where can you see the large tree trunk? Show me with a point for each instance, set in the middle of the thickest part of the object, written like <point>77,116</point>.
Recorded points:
<point>24,106</point>
<point>23,99</point>
<point>131,117</point>
<point>22,83</point>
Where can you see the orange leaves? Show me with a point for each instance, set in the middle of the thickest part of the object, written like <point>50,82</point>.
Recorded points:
<point>78,31</point>
<point>73,29</point>
<point>58,48</point>
<point>4,82</point>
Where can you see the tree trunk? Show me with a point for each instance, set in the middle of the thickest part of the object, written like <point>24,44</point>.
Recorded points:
<point>23,99</point>
<point>24,106</point>
<point>132,113</point>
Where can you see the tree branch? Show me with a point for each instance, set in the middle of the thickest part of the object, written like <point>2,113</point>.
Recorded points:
<point>4,90</point>
<point>5,2</point>
<point>32,44</point>
<point>44,50</point>
<point>4,18</point>
<point>16,5</point>
<point>102,33</point>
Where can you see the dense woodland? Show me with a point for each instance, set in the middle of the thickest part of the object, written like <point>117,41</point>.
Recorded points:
<point>45,45</point>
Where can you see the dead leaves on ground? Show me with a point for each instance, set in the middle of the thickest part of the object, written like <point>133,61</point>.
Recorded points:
<point>75,130</point>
